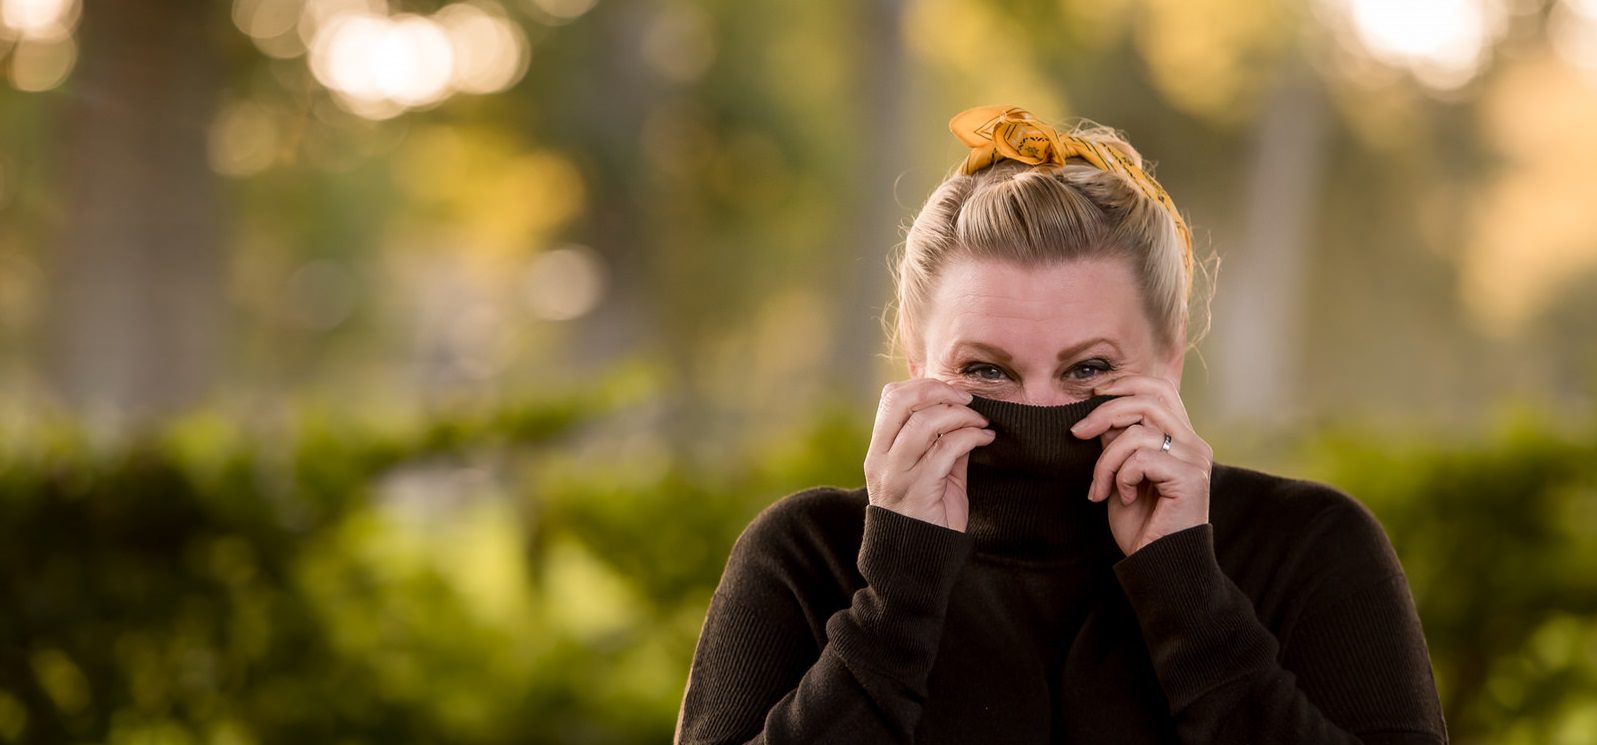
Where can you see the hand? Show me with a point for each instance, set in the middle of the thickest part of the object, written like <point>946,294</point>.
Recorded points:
<point>1157,493</point>
<point>919,451</point>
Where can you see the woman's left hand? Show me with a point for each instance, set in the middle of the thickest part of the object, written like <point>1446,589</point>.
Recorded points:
<point>1157,492</point>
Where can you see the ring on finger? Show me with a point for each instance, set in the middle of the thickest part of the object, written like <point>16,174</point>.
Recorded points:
<point>1166,446</point>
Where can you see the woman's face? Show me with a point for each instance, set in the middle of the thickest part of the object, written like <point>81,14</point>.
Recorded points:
<point>1042,335</point>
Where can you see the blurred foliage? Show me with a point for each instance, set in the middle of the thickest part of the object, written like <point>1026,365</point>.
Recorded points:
<point>711,186</point>
<point>486,578</point>
<point>459,579</point>
<point>1499,541</point>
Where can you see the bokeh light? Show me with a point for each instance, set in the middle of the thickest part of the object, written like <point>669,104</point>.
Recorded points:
<point>1532,230</point>
<point>39,19</point>
<point>265,19</point>
<point>44,52</point>
<point>556,12</point>
<point>42,65</point>
<point>564,283</point>
<point>272,24</point>
<point>243,140</point>
<point>490,51</point>
<point>1572,30</point>
<point>680,44</point>
<point>320,295</point>
<point>1442,43</point>
<point>404,60</point>
<point>379,64</point>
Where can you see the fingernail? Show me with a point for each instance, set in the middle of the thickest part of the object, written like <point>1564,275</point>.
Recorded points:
<point>968,396</point>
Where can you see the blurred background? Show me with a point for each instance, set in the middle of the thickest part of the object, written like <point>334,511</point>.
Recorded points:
<point>403,370</point>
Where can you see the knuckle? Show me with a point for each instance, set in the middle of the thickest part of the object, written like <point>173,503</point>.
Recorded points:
<point>914,398</point>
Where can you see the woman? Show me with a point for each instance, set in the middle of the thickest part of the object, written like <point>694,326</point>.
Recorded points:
<point>1044,550</point>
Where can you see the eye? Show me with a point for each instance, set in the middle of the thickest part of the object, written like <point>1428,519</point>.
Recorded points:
<point>1090,369</point>
<point>983,371</point>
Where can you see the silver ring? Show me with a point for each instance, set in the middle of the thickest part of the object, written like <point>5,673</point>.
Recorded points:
<point>1166,446</point>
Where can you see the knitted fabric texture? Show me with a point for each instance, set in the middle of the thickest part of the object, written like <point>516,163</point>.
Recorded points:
<point>1285,619</point>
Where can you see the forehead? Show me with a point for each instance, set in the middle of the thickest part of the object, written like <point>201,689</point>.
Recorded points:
<point>1045,307</point>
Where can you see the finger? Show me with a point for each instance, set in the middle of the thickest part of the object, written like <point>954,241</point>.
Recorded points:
<point>958,511</point>
<point>947,450</point>
<point>1149,442</point>
<point>1147,385</point>
<point>1164,475</point>
<point>1126,411</point>
<point>1130,475</point>
<point>901,399</point>
<point>923,430</point>
<point>1115,455</point>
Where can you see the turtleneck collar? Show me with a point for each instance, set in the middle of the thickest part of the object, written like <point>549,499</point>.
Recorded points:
<point>1028,488</point>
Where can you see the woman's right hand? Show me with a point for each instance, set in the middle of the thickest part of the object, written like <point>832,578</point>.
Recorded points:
<point>919,450</point>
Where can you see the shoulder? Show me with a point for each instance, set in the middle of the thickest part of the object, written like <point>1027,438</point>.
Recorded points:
<point>1242,497</point>
<point>820,512</point>
<point>1315,528</point>
<point>814,531</point>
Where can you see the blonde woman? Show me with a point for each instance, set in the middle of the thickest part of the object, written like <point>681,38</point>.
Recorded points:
<point>1044,550</point>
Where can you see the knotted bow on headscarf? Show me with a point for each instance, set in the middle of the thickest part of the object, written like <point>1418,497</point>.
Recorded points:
<point>997,132</point>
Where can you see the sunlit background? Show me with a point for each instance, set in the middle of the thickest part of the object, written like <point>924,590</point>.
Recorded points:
<point>402,371</point>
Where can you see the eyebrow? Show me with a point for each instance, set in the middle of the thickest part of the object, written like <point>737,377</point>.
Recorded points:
<point>1067,352</point>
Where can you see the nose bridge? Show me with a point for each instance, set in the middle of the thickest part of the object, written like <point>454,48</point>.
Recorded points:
<point>1043,390</point>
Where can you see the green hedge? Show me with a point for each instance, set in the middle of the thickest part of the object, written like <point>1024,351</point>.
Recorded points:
<point>538,574</point>
<point>1499,541</point>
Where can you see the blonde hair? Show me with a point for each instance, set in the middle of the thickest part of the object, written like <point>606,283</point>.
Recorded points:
<point>1044,214</point>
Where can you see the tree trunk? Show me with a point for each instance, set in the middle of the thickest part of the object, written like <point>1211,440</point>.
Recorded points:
<point>611,125</point>
<point>864,282</point>
<point>138,281</point>
<point>1258,312</point>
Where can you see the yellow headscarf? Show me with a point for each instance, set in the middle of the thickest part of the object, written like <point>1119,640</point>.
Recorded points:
<point>997,132</point>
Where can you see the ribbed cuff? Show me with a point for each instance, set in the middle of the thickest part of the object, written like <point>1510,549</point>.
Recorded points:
<point>910,567</point>
<point>912,564</point>
<point>1200,629</point>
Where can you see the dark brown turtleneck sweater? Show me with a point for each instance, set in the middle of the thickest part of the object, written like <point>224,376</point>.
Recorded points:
<point>1285,619</point>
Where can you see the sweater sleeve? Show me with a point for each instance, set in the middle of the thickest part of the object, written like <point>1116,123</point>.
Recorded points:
<point>1356,668</point>
<point>756,675</point>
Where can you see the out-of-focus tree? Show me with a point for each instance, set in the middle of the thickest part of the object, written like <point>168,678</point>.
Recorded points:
<point>413,209</point>
<point>137,305</point>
